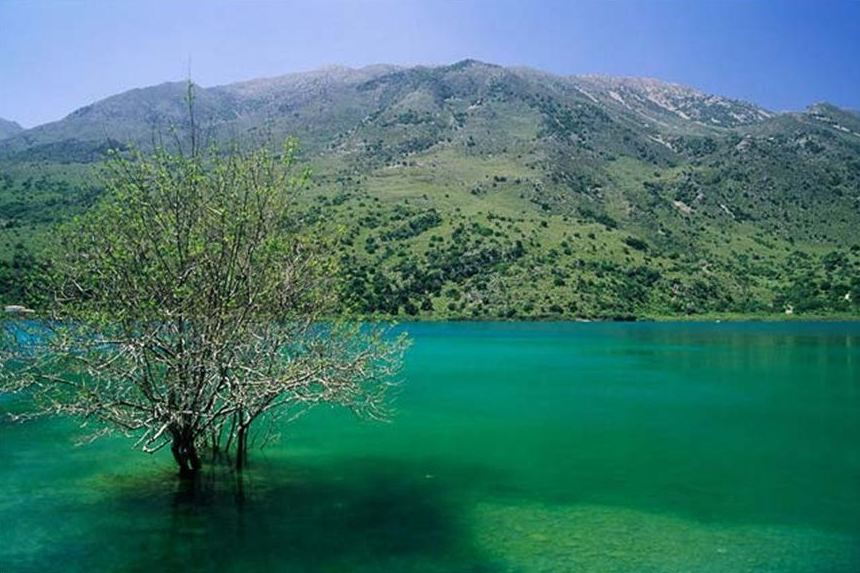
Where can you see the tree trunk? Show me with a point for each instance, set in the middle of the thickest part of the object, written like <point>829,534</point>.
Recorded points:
<point>241,448</point>
<point>185,454</point>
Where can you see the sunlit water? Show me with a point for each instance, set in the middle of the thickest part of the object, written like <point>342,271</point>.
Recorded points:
<point>514,447</point>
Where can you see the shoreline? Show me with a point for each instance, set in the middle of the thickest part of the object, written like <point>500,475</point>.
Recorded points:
<point>715,318</point>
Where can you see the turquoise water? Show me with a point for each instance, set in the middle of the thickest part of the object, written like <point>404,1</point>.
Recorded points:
<point>513,447</point>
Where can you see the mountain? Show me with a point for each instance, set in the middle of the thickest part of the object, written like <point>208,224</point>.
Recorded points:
<point>476,190</point>
<point>8,128</point>
<point>328,103</point>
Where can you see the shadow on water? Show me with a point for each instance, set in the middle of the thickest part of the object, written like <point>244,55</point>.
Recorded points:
<point>355,515</point>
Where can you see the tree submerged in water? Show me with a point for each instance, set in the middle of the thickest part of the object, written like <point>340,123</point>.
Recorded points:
<point>190,304</point>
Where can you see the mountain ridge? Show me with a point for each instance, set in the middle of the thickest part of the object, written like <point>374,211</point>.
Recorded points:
<point>389,68</point>
<point>9,128</point>
<point>137,114</point>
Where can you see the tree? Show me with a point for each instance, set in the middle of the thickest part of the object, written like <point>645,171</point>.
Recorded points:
<point>191,303</point>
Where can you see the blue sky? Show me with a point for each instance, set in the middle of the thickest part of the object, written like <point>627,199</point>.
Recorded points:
<point>56,56</point>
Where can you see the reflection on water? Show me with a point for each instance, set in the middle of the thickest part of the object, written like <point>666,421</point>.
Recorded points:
<point>516,447</point>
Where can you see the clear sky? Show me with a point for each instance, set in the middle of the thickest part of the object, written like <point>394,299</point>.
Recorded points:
<point>56,56</point>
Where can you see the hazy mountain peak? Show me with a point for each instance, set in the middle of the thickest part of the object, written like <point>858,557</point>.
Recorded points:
<point>824,108</point>
<point>8,128</point>
<point>308,79</point>
<point>471,63</point>
<point>834,117</point>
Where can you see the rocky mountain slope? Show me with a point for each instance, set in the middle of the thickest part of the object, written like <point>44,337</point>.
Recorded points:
<point>474,190</point>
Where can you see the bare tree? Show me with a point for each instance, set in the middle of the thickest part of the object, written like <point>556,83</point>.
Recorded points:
<point>190,304</point>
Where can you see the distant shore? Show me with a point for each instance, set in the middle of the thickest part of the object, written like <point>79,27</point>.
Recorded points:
<point>709,317</point>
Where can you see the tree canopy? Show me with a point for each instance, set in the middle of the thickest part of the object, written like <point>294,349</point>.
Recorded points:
<point>192,302</point>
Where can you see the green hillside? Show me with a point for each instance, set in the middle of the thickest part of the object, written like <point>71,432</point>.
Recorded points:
<point>477,191</point>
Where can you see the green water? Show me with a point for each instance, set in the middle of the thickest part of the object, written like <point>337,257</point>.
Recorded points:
<point>514,447</point>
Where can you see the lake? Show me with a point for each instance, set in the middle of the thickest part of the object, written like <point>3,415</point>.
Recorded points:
<point>643,447</point>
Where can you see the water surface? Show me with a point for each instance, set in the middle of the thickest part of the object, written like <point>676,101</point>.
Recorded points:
<point>514,447</point>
